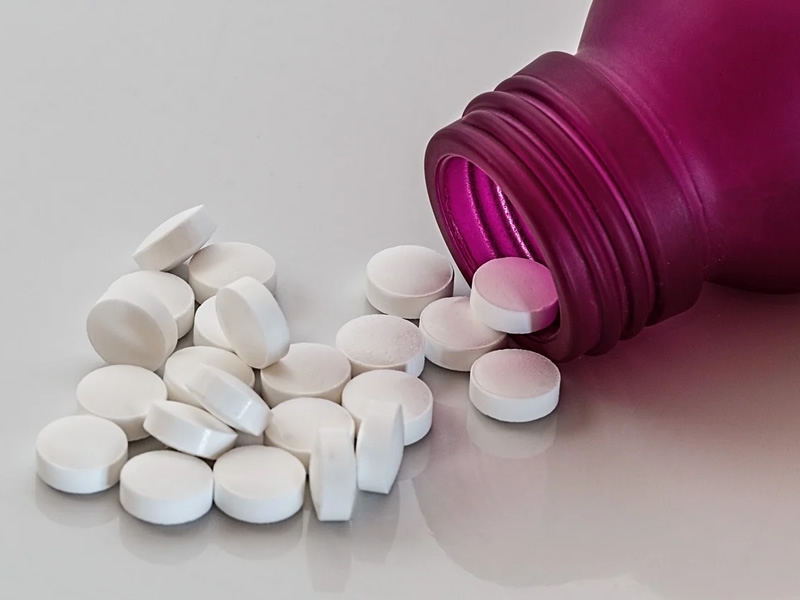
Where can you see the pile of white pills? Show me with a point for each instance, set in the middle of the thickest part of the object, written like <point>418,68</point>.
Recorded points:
<point>337,417</point>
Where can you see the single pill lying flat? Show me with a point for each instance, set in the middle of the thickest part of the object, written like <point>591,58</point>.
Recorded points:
<point>175,240</point>
<point>253,322</point>
<point>189,429</point>
<point>182,365</point>
<point>256,484</point>
<point>218,265</point>
<point>207,330</point>
<point>310,370</point>
<point>454,338</point>
<point>166,487</point>
<point>295,424</point>
<point>229,399</point>
<point>382,342</point>
<point>134,329</point>
<point>409,392</point>
<point>514,295</point>
<point>403,280</point>
<point>514,386</point>
<point>122,394</point>
<point>332,475</point>
<point>173,291</point>
<point>82,454</point>
<point>379,447</point>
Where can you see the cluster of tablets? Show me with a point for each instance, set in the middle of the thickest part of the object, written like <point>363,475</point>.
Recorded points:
<point>248,417</point>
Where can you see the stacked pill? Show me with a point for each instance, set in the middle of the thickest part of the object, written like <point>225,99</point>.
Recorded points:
<point>269,415</point>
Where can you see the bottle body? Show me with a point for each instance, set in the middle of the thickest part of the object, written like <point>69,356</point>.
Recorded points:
<point>664,153</point>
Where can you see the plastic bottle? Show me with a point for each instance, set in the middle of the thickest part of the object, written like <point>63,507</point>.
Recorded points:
<point>664,153</point>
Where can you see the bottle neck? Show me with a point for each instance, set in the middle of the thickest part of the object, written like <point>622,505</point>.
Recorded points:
<point>556,166</point>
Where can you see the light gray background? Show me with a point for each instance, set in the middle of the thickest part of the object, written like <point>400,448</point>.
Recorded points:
<point>669,471</point>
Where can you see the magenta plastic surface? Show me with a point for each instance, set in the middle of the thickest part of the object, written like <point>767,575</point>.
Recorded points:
<point>664,153</point>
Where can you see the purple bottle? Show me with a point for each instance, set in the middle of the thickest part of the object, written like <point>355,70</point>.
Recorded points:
<point>664,153</point>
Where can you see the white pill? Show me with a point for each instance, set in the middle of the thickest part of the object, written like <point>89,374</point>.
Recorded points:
<point>175,240</point>
<point>382,342</point>
<point>170,289</point>
<point>295,423</point>
<point>379,447</point>
<point>136,329</point>
<point>403,280</point>
<point>411,393</point>
<point>229,399</point>
<point>207,330</point>
<point>514,386</point>
<point>256,484</point>
<point>514,295</point>
<point>218,265</point>
<point>454,338</point>
<point>189,429</point>
<point>253,322</point>
<point>182,365</point>
<point>310,370</point>
<point>166,487</point>
<point>81,454</point>
<point>332,475</point>
<point>122,394</point>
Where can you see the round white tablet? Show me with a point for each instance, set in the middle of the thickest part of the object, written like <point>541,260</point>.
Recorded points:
<point>218,265</point>
<point>175,240</point>
<point>189,429</point>
<point>229,399</point>
<point>392,386</point>
<point>256,484</point>
<point>182,365</point>
<point>382,342</point>
<point>166,487</point>
<point>332,475</point>
<point>311,370</point>
<point>379,447</point>
<point>253,322</point>
<point>454,338</point>
<point>122,394</point>
<point>207,330</point>
<point>82,454</point>
<point>514,295</point>
<point>170,289</point>
<point>295,423</point>
<point>403,280</point>
<point>514,385</point>
<point>136,329</point>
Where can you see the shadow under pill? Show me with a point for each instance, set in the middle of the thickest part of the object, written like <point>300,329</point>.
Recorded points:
<point>257,542</point>
<point>164,544</point>
<point>374,525</point>
<point>329,554</point>
<point>77,510</point>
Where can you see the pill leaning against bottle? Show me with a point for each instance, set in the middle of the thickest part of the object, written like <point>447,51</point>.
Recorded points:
<point>514,295</point>
<point>295,423</point>
<point>82,454</point>
<point>403,280</point>
<point>253,322</point>
<point>165,487</point>
<point>173,291</point>
<point>229,399</point>
<point>122,394</point>
<point>182,365</point>
<point>382,342</point>
<point>332,475</point>
<point>257,484</point>
<point>218,265</point>
<point>514,386</point>
<point>175,240</point>
<point>189,429</point>
<point>379,446</point>
<point>411,393</point>
<point>454,338</point>
<point>309,370</point>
